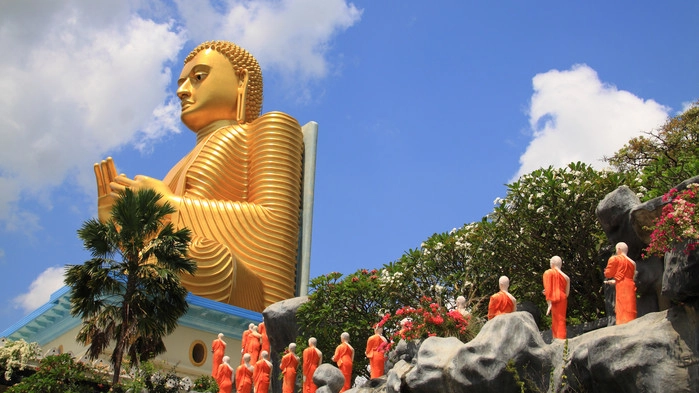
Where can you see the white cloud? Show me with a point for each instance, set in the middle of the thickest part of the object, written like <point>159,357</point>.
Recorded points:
<point>290,36</point>
<point>576,117</point>
<point>80,78</point>
<point>40,290</point>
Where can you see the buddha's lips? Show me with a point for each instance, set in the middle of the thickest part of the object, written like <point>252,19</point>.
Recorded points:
<point>185,104</point>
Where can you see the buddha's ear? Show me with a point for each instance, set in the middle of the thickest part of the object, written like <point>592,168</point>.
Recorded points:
<point>242,94</point>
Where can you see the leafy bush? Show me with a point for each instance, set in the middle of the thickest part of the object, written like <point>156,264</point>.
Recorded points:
<point>551,212</point>
<point>61,374</point>
<point>352,304</point>
<point>205,383</point>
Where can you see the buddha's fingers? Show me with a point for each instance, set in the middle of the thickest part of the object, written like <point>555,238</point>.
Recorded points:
<point>105,172</point>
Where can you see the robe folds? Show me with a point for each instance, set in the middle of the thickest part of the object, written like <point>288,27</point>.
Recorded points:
<point>239,193</point>
<point>218,347</point>
<point>265,338</point>
<point>622,269</point>
<point>500,303</point>
<point>243,379</point>
<point>288,366</point>
<point>224,380</point>
<point>260,376</point>
<point>377,359</point>
<point>253,346</point>
<point>555,285</point>
<point>343,358</point>
<point>310,364</point>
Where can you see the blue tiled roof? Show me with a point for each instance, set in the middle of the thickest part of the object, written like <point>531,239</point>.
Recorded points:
<point>53,319</point>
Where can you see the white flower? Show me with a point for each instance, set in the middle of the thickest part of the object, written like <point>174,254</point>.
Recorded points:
<point>170,384</point>
<point>186,384</point>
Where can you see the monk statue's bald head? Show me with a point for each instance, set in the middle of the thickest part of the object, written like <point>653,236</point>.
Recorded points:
<point>504,283</point>
<point>622,248</point>
<point>556,261</point>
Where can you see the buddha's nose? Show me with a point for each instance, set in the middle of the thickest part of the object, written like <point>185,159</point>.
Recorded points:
<point>183,90</point>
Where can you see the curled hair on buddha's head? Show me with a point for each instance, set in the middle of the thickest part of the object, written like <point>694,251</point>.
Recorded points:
<point>241,60</point>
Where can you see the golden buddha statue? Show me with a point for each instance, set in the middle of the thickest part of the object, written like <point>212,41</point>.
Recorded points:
<point>238,190</point>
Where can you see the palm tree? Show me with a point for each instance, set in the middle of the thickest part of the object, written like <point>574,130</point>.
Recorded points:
<point>130,291</point>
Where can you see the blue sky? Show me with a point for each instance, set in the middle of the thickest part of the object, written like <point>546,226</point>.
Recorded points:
<point>425,109</point>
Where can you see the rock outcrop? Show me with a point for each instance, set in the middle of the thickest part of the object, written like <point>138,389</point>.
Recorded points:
<point>280,321</point>
<point>655,353</point>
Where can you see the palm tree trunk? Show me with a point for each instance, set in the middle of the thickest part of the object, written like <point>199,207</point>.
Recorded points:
<point>120,346</point>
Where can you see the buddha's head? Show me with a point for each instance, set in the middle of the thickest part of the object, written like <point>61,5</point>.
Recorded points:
<point>219,81</point>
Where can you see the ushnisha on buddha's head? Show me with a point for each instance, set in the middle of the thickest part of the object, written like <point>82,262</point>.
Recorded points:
<point>220,81</point>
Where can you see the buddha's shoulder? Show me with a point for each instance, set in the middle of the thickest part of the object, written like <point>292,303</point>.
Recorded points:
<point>275,120</point>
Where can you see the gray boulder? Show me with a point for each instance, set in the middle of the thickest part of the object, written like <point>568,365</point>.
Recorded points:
<point>328,378</point>
<point>280,321</point>
<point>681,276</point>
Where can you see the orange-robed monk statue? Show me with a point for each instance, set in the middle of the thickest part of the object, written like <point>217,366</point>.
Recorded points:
<point>238,190</point>
<point>556,291</point>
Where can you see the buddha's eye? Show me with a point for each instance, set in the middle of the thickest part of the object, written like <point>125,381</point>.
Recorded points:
<point>199,76</point>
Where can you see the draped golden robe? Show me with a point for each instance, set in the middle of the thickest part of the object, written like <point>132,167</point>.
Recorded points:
<point>240,191</point>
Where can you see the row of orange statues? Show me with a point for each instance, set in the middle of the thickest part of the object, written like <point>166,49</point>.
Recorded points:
<point>620,272</point>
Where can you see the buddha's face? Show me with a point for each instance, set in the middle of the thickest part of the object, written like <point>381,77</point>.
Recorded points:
<point>208,88</point>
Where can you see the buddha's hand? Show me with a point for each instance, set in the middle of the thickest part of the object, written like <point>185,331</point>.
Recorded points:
<point>141,182</point>
<point>105,172</point>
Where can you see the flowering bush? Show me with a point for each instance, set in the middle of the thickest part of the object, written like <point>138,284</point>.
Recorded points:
<point>205,383</point>
<point>678,222</point>
<point>427,320</point>
<point>16,356</point>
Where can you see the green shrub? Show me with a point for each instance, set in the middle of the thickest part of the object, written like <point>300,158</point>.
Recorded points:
<point>61,374</point>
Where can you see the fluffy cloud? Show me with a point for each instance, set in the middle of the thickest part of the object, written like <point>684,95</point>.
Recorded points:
<point>83,80</point>
<point>290,36</point>
<point>40,290</point>
<point>576,117</point>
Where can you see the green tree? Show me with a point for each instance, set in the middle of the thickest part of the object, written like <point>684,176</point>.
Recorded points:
<point>353,304</point>
<point>446,265</point>
<point>130,291</point>
<point>664,157</point>
<point>548,212</point>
